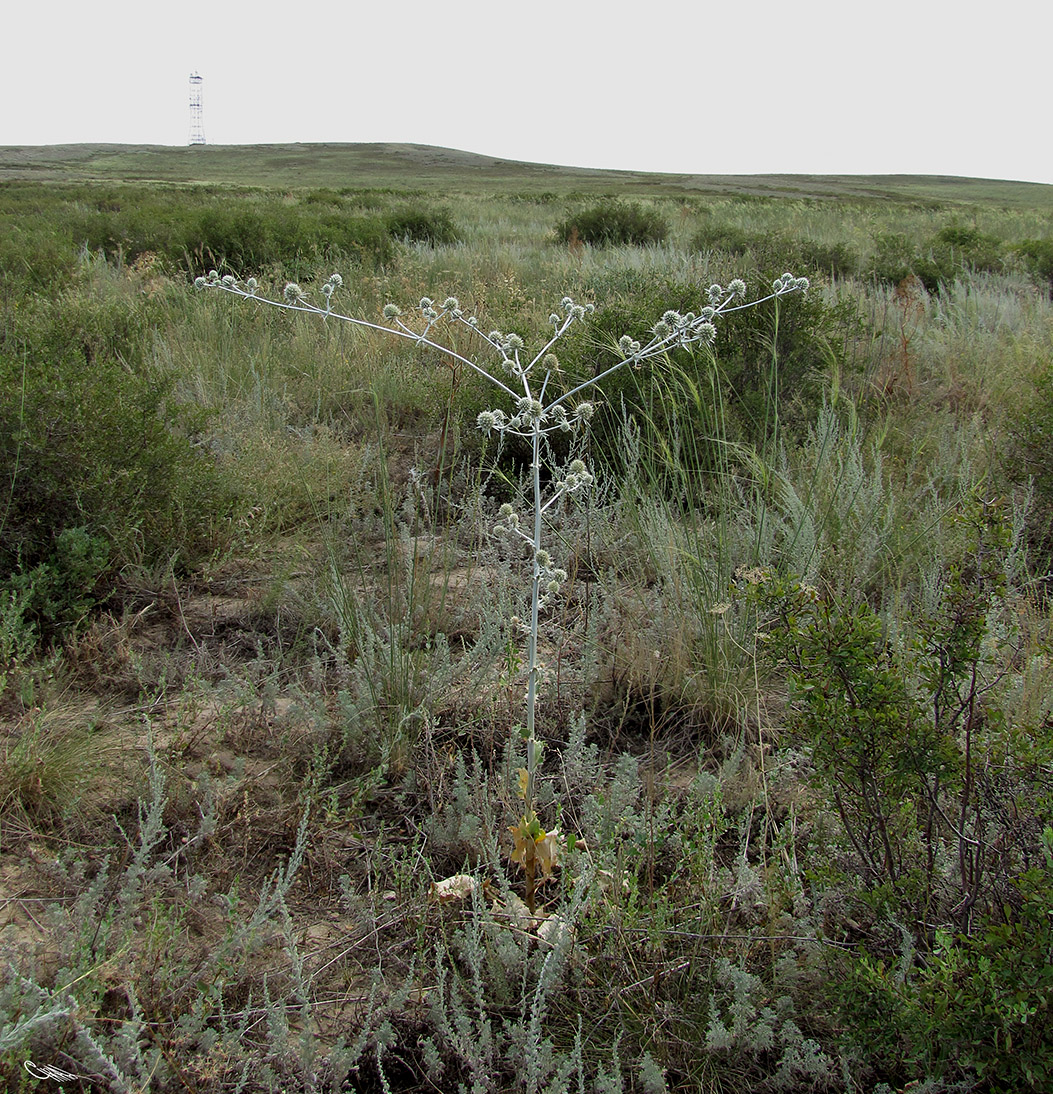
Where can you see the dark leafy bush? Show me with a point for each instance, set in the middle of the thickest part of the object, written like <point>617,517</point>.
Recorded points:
<point>237,238</point>
<point>195,229</point>
<point>894,258</point>
<point>904,734</point>
<point>97,460</point>
<point>727,238</point>
<point>950,253</point>
<point>1037,255</point>
<point>978,1010</point>
<point>55,595</point>
<point>778,251</point>
<point>613,223</point>
<point>420,225</point>
<point>1029,462</point>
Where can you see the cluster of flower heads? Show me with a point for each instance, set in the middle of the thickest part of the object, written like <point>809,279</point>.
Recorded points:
<point>228,281</point>
<point>532,415</point>
<point>676,329</point>
<point>548,576</point>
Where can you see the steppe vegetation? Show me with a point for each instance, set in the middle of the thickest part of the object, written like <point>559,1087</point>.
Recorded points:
<point>262,670</point>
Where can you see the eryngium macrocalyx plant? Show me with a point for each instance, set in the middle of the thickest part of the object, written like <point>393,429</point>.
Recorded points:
<point>533,410</point>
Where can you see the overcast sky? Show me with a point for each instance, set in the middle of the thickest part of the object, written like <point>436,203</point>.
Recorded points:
<point>812,87</point>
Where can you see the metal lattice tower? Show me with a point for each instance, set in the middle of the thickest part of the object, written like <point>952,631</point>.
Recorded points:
<point>197,127</point>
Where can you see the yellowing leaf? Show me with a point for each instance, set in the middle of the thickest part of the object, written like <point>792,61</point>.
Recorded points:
<point>546,851</point>
<point>524,782</point>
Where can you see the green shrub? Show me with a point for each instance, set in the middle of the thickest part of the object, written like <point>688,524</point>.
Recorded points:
<point>196,229</point>
<point>1029,461</point>
<point>613,223</point>
<point>894,258</point>
<point>769,253</point>
<point>903,733</point>
<point>416,224</point>
<point>235,236</point>
<point>98,463</point>
<point>978,1010</point>
<point>723,237</point>
<point>56,595</point>
<point>1037,255</point>
<point>950,253</point>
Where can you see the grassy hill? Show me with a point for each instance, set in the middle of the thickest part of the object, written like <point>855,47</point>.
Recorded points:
<point>423,167</point>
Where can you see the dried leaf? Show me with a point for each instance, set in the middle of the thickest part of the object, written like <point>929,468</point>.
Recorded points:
<point>457,887</point>
<point>554,929</point>
<point>516,911</point>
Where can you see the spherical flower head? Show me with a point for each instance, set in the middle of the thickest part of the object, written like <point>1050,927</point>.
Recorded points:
<point>530,410</point>
<point>584,411</point>
<point>425,303</point>
<point>336,281</point>
<point>495,336</point>
<point>550,362</point>
<point>392,311</point>
<point>293,293</point>
<point>451,303</point>
<point>543,559</point>
<point>625,345</point>
<point>707,333</point>
<point>577,467</point>
<point>491,419</point>
<point>706,314</point>
<point>506,511</point>
<point>327,290</point>
<point>251,286</point>
<point>200,282</point>
<point>213,277</point>
<point>661,329</point>
<point>566,303</point>
<point>715,293</point>
<point>229,281</point>
<point>577,312</point>
<point>737,287</point>
<point>513,342</point>
<point>554,319</point>
<point>802,284</point>
<point>552,587</point>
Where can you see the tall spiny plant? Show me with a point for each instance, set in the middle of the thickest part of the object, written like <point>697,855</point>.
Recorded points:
<point>534,414</point>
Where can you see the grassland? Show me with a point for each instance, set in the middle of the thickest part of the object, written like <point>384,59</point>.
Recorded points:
<point>262,676</point>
